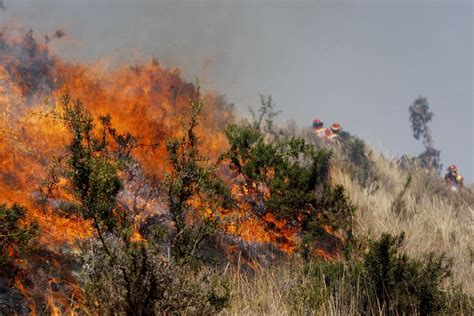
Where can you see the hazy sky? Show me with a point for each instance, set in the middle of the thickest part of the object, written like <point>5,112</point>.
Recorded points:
<point>361,63</point>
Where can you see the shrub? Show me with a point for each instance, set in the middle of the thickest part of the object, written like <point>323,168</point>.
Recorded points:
<point>15,237</point>
<point>384,280</point>
<point>122,274</point>
<point>403,285</point>
<point>195,192</point>
<point>137,280</point>
<point>358,162</point>
<point>288,179</point>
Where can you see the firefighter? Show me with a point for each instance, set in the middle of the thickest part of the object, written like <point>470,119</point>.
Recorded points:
<point>453,179</point>
<point>318,128</point>
<point>333,132</point>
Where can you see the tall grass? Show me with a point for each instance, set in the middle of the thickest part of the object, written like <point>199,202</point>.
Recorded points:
<point>433,219</point>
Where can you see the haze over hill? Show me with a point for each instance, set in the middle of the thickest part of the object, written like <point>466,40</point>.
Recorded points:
<point>359,63</point>
<point>125,188</point>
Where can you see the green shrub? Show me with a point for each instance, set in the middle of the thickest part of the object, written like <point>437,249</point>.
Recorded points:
<point>120,274</point>
<point>14,236</point>
<point>383,280</point>
<point>403,285</point>
<point>288,179</point>
<point>192,176</point>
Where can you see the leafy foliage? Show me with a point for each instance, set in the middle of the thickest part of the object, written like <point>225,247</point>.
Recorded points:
<point>93,166</point>
<point>14,237</point>
<point>403,285</point>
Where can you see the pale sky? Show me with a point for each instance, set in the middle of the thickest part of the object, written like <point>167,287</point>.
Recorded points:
<point>361,63</point>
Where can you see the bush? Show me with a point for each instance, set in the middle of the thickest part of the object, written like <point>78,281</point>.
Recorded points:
<point>14,236</point>
<point>195,192</point>
<point>384,280</point>
<point>358,162</point>
<point>137,280</point>
<point>122,274</point>
<point>403,285</point>
<point>287,179</point>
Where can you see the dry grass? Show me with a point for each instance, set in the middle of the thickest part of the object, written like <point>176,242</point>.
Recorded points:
<point>433,220</point>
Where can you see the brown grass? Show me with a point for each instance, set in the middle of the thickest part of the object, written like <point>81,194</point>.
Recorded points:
<point>433,219</point>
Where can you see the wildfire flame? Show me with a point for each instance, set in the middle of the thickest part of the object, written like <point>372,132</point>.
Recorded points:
<point>148,101</point>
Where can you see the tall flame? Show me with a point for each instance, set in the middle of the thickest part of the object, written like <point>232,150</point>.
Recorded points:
<point>148,101</point>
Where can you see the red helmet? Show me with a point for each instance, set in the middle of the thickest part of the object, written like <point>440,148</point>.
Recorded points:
<point>452,168</point>
<point>335,127</point>
<point>317,123</point>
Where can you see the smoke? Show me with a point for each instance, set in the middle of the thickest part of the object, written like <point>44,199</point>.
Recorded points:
<point>28,63</point>
<point>2,5</point>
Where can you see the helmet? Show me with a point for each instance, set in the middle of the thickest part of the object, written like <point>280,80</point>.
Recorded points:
<point>317,123</point>
<point>452,168</point>
<point>335,127</point>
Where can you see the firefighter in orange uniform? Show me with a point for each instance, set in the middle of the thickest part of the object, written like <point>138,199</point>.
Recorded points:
<point>333,132</point>
<point>318,128</point>
<point>453,179</point>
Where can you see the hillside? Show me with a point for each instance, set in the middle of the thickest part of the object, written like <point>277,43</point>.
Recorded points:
<point>129,191</point>
<point>432,218</point>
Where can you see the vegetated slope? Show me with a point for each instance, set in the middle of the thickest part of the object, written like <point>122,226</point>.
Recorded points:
<point>152,103</point>
<point>390,198</point>
<point>433,218</point>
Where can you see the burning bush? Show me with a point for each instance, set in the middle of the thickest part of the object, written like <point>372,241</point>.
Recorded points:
<point>14,236</point>
<point>130,274</point>
<point>195,193</point>
<point>287,180</point>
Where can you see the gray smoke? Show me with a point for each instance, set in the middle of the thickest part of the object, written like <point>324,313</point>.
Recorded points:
<point>29,64</point>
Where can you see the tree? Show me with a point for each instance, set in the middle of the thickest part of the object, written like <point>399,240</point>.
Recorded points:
<point>420,116</point>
